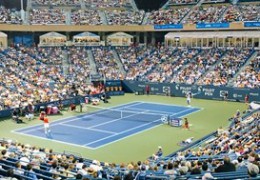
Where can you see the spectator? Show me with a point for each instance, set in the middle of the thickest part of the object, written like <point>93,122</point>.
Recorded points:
<point>30,173</point>
<point>206,172</point>
<point>226,167</point>
<point>9,175</point>
<point>170,171</point>
<point>158,154</point>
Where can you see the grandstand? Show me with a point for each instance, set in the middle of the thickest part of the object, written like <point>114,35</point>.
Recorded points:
<point>74,55</point>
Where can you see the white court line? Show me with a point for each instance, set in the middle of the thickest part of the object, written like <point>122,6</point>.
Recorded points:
<point>75,117</point>
<point>122,132</point>
<point>40,127</point>
<point>118,119</point>
<point>92,148</point>
<point>79,127</point>
<point>101,111</point>
<point>57,122</point>
<point>133,128</point>
<point>149,102</point>
<point>141,131</point>
<point>44,138</point>
<point>151,111</point>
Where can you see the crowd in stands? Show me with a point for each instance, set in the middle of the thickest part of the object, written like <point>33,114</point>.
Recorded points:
<point>107,3</point>
<point>198,66</point>
<point>184,58</point>
<point>9,16</point>
<point>145,62</point>
<point>205,14</point>
<point>250,12</point>
<point>52,73</point>
<point>238,146</point>
<point>33,75</point>
<point>250,76</point>
<point>172,60</point>
<point>182,2</point>
<point>106,63</point>
<point>209,13</point>
<point>79,69</point>
<point>169,16</point>
<point>85,17</point>
<point>47,16</point>
<point>231,152</point>
<point>231,62</point>
<point>125,17</point>
<point>56,2</point>
<point>130,56</point>
<point>232,14</point>
<point>167,64</point>
<point>165,68</point>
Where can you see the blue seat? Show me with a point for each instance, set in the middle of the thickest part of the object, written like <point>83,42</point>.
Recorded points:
<point>241,174</point>
<point>3,172</point>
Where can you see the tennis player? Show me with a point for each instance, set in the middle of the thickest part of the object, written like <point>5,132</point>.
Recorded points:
<point>188,96</point>
<point>46,124</point>
<point>186,124</point>
<point>42,115</point>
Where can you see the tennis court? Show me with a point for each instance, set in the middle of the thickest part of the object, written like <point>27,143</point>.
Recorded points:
<point>105,126</point>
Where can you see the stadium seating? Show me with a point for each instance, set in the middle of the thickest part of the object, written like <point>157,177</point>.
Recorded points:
<point>47,74</point>
<point>240,141</point>
<point>47,68</point>
<point>9,16</point>
<point>249,77</point>
<point>55,2</point>
<point>85,17</point>
<point>118,12</point>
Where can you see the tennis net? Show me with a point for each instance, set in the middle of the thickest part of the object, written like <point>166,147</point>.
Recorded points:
<point>125,114</point>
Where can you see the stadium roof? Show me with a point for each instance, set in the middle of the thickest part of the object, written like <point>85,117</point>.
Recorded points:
<point>3,34</point>
<point>86,34</point>
<point>120,34</point>
<point>52,34</point>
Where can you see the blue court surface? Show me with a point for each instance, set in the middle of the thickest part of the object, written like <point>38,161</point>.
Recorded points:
<point>102,127</point>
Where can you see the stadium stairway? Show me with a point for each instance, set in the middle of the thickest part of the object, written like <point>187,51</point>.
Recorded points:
<point>68,16</point>
<point>92,63</point>
<point>133,4</point>
<point>191,11</point>
<point>65,62</point>
<point>16,74</point>
<point>222,15</point>
<point>250,58</point>
<point>103,17</point>
<point>29,5</point>
<point>212,67</point>
<point>166,5</point>
<point>82,4</point>
<point>26,17</point>
<point>145,18</point>
<point>119,62</point>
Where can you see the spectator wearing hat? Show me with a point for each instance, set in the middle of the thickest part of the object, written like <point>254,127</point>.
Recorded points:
<point>158,154</point>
